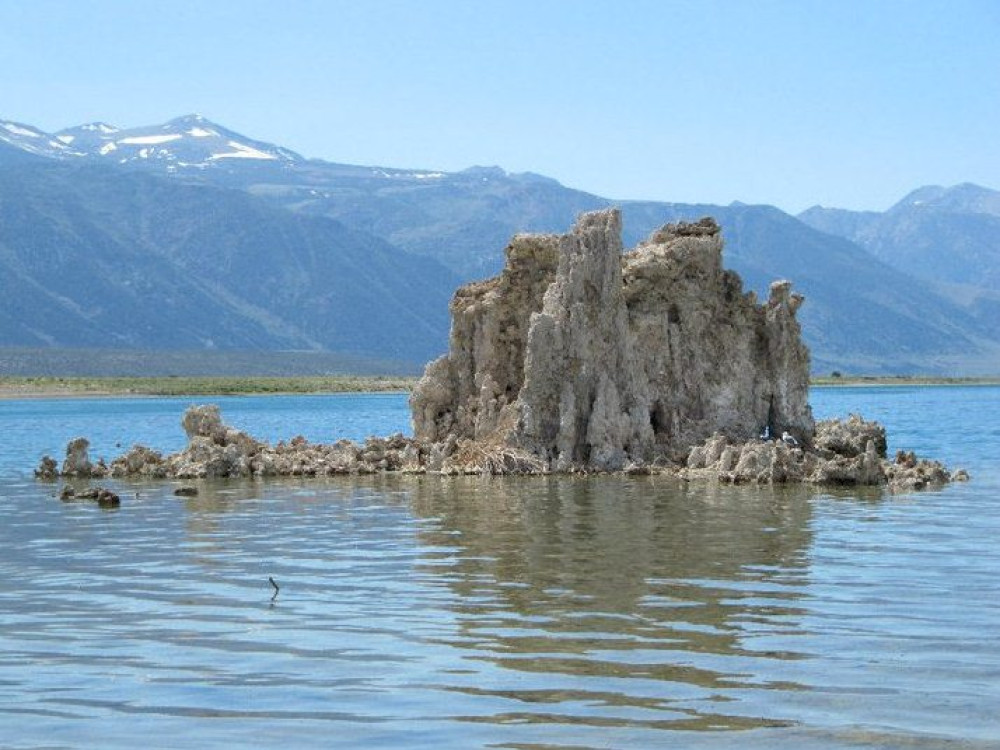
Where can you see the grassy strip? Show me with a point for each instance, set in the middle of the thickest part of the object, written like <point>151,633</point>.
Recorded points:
<point>202,386</point>
<point>901,380</point>
<point>226,385</point>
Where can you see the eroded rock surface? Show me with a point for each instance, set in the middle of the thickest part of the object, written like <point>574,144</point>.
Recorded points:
<point>217,450</point>
<point>844,452</point>
<point>588,359</point>
<point>77,461</point>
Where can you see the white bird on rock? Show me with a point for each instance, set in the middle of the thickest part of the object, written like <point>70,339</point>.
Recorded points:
<point>788,439</point>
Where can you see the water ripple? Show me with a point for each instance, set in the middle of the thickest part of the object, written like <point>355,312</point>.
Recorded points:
<point>535,613</point>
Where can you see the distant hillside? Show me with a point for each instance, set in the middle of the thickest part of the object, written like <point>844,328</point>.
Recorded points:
<point>94,256</point>
<point>949,235</point>
<point>188,234</point>
<point>55,362</point>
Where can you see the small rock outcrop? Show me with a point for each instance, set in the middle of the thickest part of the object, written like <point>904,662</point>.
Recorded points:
<point>104,497</point>
<point>215,450</point>
<point>844,452</point>
<point>48,469</point>
<point>579,358</point>
<point>587,359</point>
<point>77,461</point>
<point>218,451</point>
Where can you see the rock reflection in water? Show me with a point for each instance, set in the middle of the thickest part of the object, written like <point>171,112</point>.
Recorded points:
<point>640,603</point>
<point>662,590</point>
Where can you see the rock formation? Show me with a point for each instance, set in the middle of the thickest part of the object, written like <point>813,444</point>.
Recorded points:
<point>585,358</point>
<point>104,497</point>
<point>77,461</point>
<point>215,450</point>
<point>579,358</point>
<point>844,452</point>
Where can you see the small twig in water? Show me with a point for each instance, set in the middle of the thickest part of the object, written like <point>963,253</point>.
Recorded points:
<point>276,588</point>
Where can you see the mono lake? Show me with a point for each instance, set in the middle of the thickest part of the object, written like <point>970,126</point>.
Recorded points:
<point>497,612</point>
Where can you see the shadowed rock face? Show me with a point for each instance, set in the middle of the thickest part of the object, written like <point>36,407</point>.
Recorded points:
<point>585,358</point>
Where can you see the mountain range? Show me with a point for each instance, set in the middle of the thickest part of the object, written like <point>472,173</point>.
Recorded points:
<point>947,237</point>
<point>188,235</point>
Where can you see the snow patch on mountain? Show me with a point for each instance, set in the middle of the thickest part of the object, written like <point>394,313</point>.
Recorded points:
<point>242,151</point>
<point>33,141</point>
<point>189,142</point>
<point>99,127</point>
<point>151,140</point>
<point>18,130</point>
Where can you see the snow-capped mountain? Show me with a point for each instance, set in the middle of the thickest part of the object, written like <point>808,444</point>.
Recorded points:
<point>33,140</point>
<point>86,139</point>
<point>190,142</point>
<point>185,143</point>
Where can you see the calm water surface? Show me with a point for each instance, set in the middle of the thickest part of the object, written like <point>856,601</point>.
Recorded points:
<point>514,613</point>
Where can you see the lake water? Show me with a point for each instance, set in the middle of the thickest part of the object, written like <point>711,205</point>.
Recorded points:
<point>504,613</point>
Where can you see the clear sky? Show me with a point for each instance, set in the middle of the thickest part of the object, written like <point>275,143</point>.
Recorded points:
<point>788,102</point>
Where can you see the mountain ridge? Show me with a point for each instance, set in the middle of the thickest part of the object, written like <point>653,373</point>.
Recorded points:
<point>865,313</point>
<point>93,256</point>
<point>944,235</point>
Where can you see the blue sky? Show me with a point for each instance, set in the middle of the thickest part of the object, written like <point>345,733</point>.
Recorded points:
<point>792,103</point>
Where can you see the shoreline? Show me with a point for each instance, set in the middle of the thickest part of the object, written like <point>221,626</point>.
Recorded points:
<point>906,382</point>
<point>210,386</point>
<point>826,381</point>
<point>12,388</point>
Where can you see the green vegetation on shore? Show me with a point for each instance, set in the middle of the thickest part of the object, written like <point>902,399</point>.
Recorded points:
<point>14,387</point>
<point>200,386</point>
<point>838,379</point>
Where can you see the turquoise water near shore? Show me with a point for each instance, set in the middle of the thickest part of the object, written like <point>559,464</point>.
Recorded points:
<point>475,612</point>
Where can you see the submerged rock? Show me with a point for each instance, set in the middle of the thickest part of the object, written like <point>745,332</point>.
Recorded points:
<point>104,497</point>
<point>107,499</point>
<point>579,358</point>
